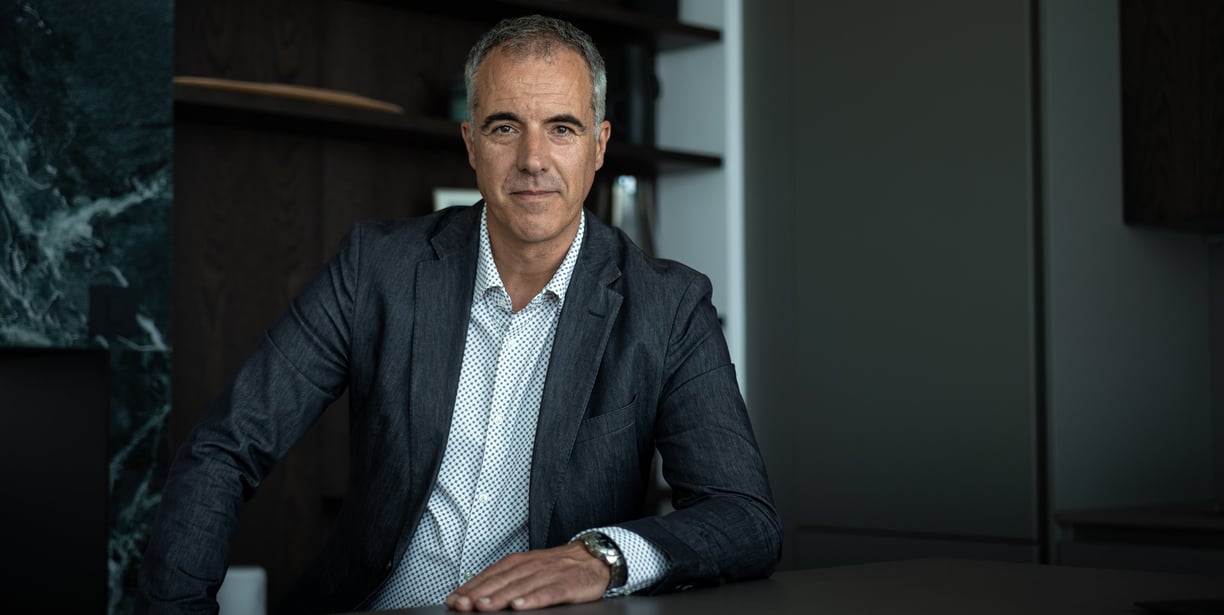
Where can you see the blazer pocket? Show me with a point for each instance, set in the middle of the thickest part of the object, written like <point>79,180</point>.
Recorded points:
<point>608,422</point>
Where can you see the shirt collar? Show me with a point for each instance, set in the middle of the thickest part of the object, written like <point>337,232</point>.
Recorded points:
<point>487,276</point>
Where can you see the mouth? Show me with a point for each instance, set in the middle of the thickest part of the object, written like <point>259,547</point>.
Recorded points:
<point>533,195</point>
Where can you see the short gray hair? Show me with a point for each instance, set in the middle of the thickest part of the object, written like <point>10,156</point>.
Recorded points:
<point>537,36</point>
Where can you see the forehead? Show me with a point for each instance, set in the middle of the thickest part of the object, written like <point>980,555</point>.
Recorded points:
<point>560,71</point>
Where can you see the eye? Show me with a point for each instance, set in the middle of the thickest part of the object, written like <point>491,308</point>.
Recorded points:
<point>504,129</point>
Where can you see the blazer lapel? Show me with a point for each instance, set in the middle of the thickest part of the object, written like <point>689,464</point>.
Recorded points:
<point>443,300</point>
<point>583,328</point>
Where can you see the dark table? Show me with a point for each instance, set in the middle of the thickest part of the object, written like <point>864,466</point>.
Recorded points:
<point>946,587</point>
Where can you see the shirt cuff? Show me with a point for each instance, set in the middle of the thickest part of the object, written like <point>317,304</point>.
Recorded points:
<point>644,563</point>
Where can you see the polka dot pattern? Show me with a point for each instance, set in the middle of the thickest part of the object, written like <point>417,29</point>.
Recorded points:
<point>477,512</point>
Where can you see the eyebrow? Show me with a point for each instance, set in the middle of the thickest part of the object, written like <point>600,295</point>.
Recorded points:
<point>507,116</point>
<point>566,118</point>
<point>503,116</point>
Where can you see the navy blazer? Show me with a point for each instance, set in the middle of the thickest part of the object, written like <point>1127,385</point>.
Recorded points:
<point>639,361</point>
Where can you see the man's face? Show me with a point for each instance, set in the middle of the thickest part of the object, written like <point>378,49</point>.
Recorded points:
<point>535,147</point>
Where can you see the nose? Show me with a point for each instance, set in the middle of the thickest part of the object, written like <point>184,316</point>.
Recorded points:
<point>533,152</point>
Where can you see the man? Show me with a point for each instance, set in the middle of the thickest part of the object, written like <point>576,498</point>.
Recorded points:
<point>511,369</point>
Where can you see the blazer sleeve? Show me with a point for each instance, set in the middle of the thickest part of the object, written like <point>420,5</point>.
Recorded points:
<point>725,527</point>
<point>298,369</point>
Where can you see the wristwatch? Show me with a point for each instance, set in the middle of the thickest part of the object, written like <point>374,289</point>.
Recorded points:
<point>606,551</point>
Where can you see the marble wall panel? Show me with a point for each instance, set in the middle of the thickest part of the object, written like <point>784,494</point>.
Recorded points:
<point>85,138</point>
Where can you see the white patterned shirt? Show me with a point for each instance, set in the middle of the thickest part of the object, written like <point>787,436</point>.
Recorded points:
<point>477,512</point>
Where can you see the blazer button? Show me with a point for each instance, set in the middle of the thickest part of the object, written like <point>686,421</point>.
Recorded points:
<point>390,564</point>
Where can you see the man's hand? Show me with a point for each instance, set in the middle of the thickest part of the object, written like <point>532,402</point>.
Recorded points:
<point>562,575</point>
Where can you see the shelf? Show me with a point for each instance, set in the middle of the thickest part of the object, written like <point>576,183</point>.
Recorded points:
<point>192,104</point>
<point>632,158</point>
<point>201,105</point>
<point>603,23</point>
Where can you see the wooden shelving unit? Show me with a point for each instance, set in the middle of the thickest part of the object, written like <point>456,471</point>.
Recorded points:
<point>193,104</point>
<point>602,22</point>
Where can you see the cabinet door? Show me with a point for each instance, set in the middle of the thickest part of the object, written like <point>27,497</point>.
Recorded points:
<point>900,384</point>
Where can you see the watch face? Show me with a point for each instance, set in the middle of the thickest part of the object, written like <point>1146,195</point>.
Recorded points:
<point>601,544</point>
<point>603,548</point>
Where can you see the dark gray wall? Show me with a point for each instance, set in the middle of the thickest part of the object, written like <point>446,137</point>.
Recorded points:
<point>905,312</point>
<point>1127,307</point>
<point>771,239</point>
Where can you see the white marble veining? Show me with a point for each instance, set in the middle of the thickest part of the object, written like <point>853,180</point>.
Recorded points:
<point>130,529</point>
<point>50,250</point>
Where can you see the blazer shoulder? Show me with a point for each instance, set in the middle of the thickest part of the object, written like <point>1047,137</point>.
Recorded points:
<point>640,268</point>
<point>412,238</point>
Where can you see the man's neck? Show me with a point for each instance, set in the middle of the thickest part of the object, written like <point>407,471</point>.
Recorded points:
<point>525,270</point>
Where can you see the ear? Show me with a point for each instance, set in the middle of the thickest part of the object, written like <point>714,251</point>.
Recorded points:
<point>601,145</point>
<point>466,129</point>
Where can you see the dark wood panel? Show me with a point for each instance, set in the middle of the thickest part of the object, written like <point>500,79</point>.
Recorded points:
<point>408,57</point>
<point>1173,112</point>
<point>246,233</point>
<point>204,248</point>
<point>604,20</point>
<point>371,180</point>
<point>284,244</point>
<point>267,40</point>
